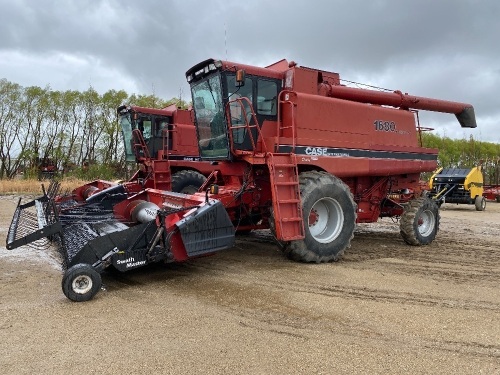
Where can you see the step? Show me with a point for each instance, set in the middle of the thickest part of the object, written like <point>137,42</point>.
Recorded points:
<point>287,183</point>
<point>288,201</point>
<point>291,219</point>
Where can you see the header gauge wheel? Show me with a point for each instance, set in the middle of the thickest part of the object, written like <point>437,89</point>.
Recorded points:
<point>81,282</point>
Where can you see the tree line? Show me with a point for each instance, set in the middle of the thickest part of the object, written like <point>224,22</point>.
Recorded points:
<point>75,129</point>
<point>78,129</point>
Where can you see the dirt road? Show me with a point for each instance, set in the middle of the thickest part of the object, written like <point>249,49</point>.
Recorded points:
<point>385,308</point>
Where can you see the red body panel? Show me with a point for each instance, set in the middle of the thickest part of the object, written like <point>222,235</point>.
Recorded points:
<point>353,129</point>
<point>492,192</point>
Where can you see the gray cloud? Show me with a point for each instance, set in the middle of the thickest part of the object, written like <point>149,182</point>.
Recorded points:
<point>446,49</point>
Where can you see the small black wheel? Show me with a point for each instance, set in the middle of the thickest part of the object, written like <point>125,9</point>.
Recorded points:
<point>420,222</point>
<point>480,203</point>
<point>81,282</point>
<point>329,214</point>
<point>187,181</point>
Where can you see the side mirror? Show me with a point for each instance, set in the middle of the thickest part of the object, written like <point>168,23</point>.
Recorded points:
<point>212,189</point>
<point>240,78</point>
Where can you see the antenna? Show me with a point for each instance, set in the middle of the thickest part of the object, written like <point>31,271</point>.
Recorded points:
<point>153,93</point>
<point>225,38</point>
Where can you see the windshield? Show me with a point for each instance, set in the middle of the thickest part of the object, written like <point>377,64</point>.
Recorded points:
<point>210,119</point>
<point>126,125</point>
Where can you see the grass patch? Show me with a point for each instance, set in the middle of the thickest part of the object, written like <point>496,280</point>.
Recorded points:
<point>33,186</point>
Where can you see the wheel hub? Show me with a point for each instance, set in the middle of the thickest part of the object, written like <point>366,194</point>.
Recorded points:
<point>313,218</point>
<point>326,220</point>
<point>82,284</point>
<point>426,222</point>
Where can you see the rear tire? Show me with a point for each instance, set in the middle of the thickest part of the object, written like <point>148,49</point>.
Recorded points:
<point>81,282</point>
<point>187,181</point>
<point>480,203</point>
<point>420,222</point>
<point>329,214</point>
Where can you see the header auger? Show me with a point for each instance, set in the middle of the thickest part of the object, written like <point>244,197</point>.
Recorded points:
<point>291,150</point>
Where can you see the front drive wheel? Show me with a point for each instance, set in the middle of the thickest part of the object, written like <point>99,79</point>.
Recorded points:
<point>187,181</point>
<point>81,282</point>
<point>329,214</point>
<point>420,222</point>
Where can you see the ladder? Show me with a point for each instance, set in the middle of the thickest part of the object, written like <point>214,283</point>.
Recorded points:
<point>287,206</point>
<point>162,177</point>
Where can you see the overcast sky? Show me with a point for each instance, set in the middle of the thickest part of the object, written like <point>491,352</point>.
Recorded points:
<point>447,49</point>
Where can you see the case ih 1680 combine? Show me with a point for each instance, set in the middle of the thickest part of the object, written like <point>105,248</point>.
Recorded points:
<point>292,150</point>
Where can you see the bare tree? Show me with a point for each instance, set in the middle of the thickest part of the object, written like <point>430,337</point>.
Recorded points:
<point>12,146</point>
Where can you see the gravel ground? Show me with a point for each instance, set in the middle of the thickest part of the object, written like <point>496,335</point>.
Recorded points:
<point>385,308</point>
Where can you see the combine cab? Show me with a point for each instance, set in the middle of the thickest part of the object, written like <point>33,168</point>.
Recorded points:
<point>460,186</point>
<point>291,150</point>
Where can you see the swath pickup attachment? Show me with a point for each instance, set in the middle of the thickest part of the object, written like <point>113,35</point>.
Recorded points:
<point>33,223</point>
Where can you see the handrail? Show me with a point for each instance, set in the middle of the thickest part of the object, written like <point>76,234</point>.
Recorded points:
<point>246,126</point>
<point>140,145</point>
<point>420,129</point>
<point>279,124</point>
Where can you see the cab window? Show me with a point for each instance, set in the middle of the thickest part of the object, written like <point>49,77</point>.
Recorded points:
<point>267,93</point>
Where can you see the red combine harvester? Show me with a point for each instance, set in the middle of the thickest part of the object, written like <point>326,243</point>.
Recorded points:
<point>159,134</point>
<point>47,168</point>
<point>292,150</point>
<point>163,143</point>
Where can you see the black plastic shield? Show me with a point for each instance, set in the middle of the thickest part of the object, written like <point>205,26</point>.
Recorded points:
<point>207,230</point>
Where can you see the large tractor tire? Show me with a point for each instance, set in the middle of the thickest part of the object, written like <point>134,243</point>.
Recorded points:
<point>187,181</point>
<point>419,223</point>
<point>81,282</point>
<point>329,214</point>
<point>480,203</point>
